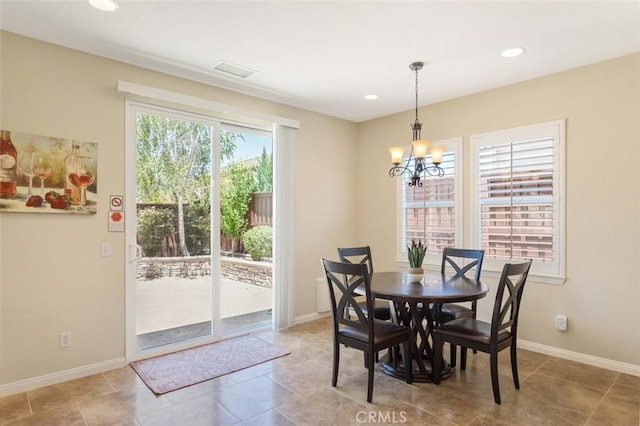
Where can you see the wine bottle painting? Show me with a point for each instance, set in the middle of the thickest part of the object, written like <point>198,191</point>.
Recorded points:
<point>43,174</point>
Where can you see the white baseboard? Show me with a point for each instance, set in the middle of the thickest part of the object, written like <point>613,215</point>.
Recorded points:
<point>60,376</point>
<point>595,361</point>
<point>312,316</point>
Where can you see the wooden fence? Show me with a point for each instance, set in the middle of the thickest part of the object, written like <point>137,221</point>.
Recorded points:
<point>260,212</point>
<point>260,209</point>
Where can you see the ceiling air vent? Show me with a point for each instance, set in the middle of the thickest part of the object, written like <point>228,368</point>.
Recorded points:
<point>236,70</point>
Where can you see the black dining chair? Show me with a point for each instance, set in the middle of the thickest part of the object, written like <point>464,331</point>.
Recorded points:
<point>360,331</point>
<point>362,255</point>
<point>492,337</point>
<point>460,262</point>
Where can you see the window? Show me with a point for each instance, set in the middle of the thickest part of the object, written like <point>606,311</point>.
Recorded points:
<point>516,192</point>
<point>432,213</point>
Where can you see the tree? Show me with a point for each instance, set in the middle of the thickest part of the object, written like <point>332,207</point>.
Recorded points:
<point>264,172</point>
<point>228,144</point>
<point>174,163</point>
<point>235,194</point>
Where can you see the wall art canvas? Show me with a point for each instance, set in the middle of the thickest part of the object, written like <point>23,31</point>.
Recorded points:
<point>44,174</point>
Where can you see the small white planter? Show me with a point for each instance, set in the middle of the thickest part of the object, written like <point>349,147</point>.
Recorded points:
<point>415,274</point>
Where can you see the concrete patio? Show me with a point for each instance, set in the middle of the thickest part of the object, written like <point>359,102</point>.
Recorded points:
<point>173,306</point>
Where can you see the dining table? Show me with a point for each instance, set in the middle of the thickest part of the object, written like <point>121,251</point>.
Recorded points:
<point>416,304</point>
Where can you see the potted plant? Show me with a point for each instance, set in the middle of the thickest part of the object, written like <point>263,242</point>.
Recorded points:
<point>416,253</point>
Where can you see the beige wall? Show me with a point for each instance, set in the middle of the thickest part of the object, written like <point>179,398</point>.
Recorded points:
<point>52,277</point>
<point>601,105</point>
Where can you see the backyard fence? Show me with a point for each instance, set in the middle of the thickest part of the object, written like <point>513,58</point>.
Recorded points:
<point>260,213</point>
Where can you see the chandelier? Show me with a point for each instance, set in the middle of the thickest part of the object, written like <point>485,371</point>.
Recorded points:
<point>419,149</point>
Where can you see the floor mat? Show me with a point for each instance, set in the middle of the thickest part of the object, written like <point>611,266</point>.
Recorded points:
<point>177,370</point>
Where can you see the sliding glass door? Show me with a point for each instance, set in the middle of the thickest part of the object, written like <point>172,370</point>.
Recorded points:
<point>246,228</point>
<point>200,263</point>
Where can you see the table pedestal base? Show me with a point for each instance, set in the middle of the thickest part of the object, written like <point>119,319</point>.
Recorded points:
<point>422,376</point>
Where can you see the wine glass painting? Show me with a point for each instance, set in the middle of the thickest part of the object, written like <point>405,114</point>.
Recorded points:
<point>25,168</point>
<point>51,174</point>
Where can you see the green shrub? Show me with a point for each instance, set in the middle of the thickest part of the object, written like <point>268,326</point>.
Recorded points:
<point>197,228</point>
<point>258,241</point>
<point>154,224</point>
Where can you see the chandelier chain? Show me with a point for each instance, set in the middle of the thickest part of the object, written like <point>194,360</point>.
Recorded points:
<point>417,94</point>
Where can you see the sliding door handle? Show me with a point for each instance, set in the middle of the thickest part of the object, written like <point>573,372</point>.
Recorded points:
<point>135,252</point>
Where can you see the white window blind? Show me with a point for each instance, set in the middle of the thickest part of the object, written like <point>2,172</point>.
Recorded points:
<point>431,212</point>
<point>516,199</point>
<point>517,190</point>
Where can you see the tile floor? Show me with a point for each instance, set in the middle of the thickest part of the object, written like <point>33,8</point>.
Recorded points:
<point>296,390</point>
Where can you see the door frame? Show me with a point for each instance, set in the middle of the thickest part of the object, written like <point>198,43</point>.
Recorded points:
<point>284,140</point>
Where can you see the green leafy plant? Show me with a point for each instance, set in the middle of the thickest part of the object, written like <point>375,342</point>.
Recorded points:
<point>236,186</point>
<point>197,228</point>
<point>258,241</point>
<point>264,172</point>
<point>416,253</point>
<point>154,225</point>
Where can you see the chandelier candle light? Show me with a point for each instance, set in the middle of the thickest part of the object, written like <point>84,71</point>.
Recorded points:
<point>419,149</point>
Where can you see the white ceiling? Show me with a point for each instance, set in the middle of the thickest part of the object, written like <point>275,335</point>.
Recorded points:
<point>324,56</point>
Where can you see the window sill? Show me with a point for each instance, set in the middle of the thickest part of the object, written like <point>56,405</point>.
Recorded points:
<point>533,278</point>
<point>495,274</point>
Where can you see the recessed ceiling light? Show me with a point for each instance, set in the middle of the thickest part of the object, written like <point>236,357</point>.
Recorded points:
<point>371,97</point>
<point>513,52</point>
<point>104,5</point>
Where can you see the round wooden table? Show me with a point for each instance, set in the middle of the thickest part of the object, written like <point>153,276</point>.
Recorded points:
<point>413,303</point>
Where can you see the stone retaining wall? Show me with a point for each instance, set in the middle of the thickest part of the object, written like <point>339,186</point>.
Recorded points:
<point>237,269</point>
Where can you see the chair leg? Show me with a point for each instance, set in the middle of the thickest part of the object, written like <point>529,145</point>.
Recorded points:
<point>336,363</point>
<point>514,366</point>
<point>452,358</point>
<point>474,307</point>
<point>370,378</point>
<point>436,364</point>
<point>494,376</point>
<point>463,358</point>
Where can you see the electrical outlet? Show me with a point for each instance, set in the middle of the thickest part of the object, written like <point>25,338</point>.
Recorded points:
<point>561,322</point>
<point>65,339</point>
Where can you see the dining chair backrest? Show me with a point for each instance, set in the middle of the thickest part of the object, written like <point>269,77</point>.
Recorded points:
<point>470,333</point>
<point>343,280</point>
<point>353,328</point>
<point>361,255</point>
<point>507,305</point>
<point>461,261</point>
